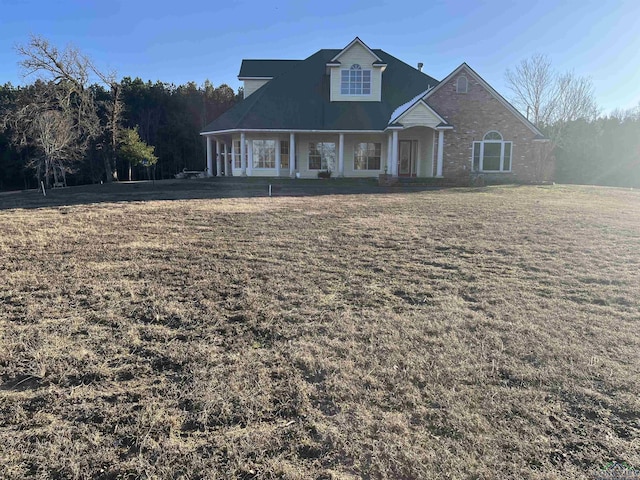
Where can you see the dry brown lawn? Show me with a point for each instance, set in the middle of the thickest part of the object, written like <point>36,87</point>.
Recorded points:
<point>463,334</point>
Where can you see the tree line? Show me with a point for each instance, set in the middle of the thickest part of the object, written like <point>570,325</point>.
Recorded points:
<point>76,124</point>
<point>587,147</point>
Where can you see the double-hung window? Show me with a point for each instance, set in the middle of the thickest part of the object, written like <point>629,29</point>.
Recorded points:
<point>237,162</point>
<point>492,154</point>
<point>284,153</point>
<point>355,81</point>
<point>264,154</point>
<point>366,156</point>
<point>322,155</point>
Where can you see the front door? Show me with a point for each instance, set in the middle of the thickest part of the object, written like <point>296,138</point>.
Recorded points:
<point>406,161</point>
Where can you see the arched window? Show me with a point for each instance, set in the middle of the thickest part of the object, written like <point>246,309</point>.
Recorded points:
<point>355,81</point>
<point>462,85</point>
<point>492,154</point>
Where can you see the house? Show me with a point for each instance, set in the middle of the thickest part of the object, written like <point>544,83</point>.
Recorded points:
<point>358,112</point>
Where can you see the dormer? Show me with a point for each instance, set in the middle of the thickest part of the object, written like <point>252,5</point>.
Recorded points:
<point>356,74</point>
<point>255,73</point>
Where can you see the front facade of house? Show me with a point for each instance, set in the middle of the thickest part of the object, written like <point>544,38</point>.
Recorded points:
<point>358,112</point>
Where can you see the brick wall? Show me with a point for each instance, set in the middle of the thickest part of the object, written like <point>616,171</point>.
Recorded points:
<point>473,114</point>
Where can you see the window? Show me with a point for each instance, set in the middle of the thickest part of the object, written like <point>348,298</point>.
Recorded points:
<point>322,156</point>
<point>236,157</point>
<point>462,85</point>
<point>355,81</point>
<point>492,154</point>
<point>284,153</point>
<point>264,154</point>
<point>366,156</point>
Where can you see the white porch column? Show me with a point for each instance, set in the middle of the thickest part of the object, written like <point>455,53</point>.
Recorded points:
<point>389,155</point>
<point>243,153</point>
<point>218,159</point>
<point>278,157</point>
<point>250,159</point>
<point>440,152</point>
<point>394,154</point>
<point>341,156</point>
<point>225,159</point>
<point>228,166</point>
<point>292,153</point>
<point>387,169</point>
<point>209,158</point>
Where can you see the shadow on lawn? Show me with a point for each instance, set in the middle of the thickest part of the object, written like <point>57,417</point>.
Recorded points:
<point>197,189</point>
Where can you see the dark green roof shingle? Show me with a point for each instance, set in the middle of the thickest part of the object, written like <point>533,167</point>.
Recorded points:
<point>265,68</point>
<point>299,99</point>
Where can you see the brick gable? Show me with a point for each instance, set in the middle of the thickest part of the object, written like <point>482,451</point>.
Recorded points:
<point>472,115</point>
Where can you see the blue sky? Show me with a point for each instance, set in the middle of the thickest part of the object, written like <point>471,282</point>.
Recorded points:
<point>196,40</point>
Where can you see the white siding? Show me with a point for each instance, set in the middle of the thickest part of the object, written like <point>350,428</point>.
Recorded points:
<point>425,137</point>
<point>251,86</point>
<point>357,54</point>
<point>419,115</point>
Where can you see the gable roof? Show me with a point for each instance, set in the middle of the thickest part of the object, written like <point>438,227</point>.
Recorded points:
<point>265,68</point>
<point>299,99</point>
<point>492,91</point>
<point>402,109</point>
<point>435,119</point>
<point>353,42</point>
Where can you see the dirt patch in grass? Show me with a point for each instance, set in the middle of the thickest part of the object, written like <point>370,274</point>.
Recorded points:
<point>465,333</point>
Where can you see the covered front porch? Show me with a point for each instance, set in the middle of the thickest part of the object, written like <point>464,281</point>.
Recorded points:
<point>404,151</point>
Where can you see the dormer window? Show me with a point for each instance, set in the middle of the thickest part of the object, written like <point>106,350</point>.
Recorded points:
<point>355,81</point>
<point>462,85</point>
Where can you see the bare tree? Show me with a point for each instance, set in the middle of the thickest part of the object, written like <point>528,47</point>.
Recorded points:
<point>550,100</point>
<point>71,71</point>
<point>44,130</point>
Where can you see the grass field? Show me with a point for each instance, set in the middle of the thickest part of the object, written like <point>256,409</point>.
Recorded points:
<point>462,333</point>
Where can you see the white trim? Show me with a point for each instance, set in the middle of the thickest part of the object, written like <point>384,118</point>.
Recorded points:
<point>420,102</point>
<point>218,159</point>
<point>433,154</point>
<point>405,107</point>
<point>362,82</point>
<point>292,153</point>
<point>243,154</point>
<point>394,154</point>
<point>226,161</point>
<point>233,158</point>
<point>389,153</point>
<point>481,159</point>
<point>491,90</point>
<point>288,130</point>
<point>341,155</point>
<point>440,153</point>
<point>354,41</point>
<point>254,78</point>
<point>209,157</point>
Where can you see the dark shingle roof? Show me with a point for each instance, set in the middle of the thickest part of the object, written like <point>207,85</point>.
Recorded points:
<point>299,99</point>
<point>265,68</point>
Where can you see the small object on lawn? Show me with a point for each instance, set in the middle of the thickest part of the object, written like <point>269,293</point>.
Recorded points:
<point>269,189</point>
<point>44,192</point>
